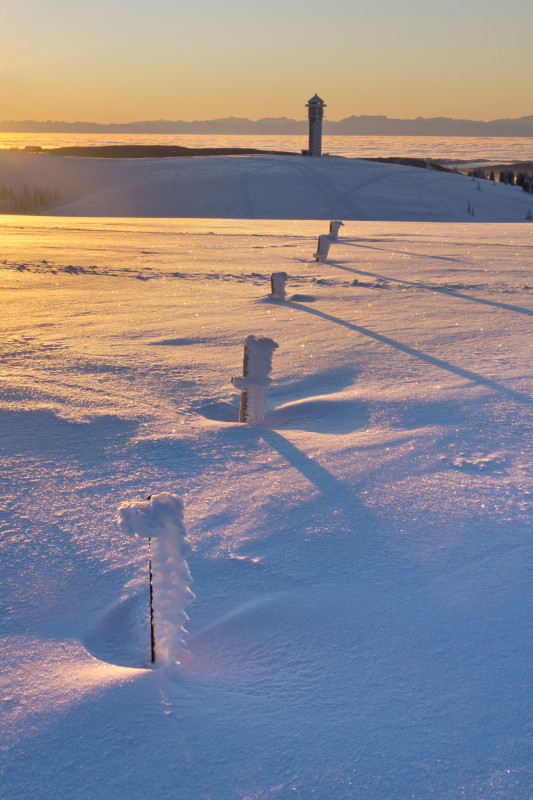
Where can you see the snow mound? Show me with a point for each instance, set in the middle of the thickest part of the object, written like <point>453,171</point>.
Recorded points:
<point>122,636</point>
<point>320,415</point>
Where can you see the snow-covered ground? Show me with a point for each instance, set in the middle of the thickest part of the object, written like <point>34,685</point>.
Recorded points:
<point>362,623</point>
<point>262,187</point>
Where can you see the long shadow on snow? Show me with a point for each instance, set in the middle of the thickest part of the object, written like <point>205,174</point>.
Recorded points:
<point>439,289</point>
<point>412,351</point>
<point>331,487</point>
<point>333,524</point>
<point>399,252</point>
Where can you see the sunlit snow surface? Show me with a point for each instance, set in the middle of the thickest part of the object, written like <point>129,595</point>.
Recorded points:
<point>363,613</point>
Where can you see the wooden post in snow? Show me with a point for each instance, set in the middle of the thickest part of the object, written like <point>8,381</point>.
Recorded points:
<point>257,363</point>
<point>334,226</point>
<point>244,394</point>
<point>160,520</point>
<point>152,635</point>
<point>277,284</point>
<point>322,251</point>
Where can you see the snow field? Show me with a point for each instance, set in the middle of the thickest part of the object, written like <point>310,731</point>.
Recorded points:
<point>262,187</point>
<point>362,621</point>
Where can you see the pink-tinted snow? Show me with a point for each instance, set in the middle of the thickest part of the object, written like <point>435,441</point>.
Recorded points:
<point>362,627</point>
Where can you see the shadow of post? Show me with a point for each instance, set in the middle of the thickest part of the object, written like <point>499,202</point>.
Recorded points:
<point>399,252</point>
<point>324,481</point>
<point>337,497</point>
<point>447,292</point>
<point>412,351</point>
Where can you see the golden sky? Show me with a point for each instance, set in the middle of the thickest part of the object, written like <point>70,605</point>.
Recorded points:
<point>125,60</point>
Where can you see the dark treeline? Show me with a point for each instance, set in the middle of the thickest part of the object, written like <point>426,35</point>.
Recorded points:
<point>506,176</point>
<point>424,163</point>
<point>157,151</point>
<point>27,201</point>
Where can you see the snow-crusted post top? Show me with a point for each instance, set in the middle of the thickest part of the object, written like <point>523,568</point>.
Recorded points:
<point>160,515</point>
<point>334,226</point>
<point>324,242</point>
<point>160,519</point>
<point>258,352</point>
<point>277,283</point>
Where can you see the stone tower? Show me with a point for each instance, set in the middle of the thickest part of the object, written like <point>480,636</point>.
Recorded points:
<point>315,108</point>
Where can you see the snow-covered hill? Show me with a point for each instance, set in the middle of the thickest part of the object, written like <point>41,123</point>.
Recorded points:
<point>262,187</point>
<point>362,623</point>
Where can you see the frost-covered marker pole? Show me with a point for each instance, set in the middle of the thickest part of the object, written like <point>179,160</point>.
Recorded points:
<point>160,520</point>
<point>257,363</point>
<point>334,226</point>
<point>151,579</point>
<point>277,284</point>
<point>322,251</point>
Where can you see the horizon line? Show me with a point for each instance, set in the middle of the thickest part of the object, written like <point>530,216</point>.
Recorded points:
<point>262,119</point>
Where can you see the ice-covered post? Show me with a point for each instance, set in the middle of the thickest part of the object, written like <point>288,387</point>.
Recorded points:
<point>322,251</point>
<point>160,520</point>
<point>277,284</point>
<point>334,226</point>
<point>257,363</point>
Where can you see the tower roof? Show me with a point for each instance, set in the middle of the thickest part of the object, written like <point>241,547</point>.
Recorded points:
<point>316,100</point>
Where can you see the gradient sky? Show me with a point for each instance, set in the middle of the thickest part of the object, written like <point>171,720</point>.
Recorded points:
<point>125,60</point>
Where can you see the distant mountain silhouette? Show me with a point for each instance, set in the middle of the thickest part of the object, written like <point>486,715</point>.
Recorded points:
<point>350,126</point>
<point>434,126</point>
